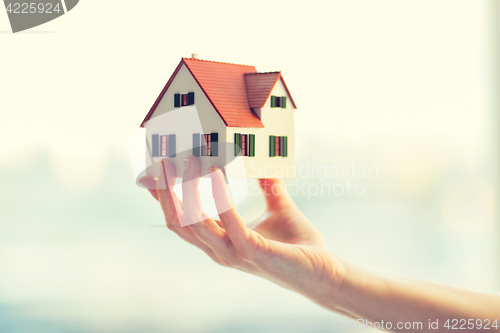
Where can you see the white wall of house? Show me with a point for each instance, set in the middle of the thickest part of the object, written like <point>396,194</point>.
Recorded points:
<point>184,127</point>
<point>278,122</point>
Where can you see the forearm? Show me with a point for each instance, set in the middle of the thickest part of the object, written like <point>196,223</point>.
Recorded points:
<point>377,298</point>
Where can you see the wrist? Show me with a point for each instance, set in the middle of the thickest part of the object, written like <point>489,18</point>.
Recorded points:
<point>329,292</point>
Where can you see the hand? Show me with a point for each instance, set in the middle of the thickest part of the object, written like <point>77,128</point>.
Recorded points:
<point>284,247</point>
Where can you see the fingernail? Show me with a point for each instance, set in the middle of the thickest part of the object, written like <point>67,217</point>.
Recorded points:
<point>186,164</point>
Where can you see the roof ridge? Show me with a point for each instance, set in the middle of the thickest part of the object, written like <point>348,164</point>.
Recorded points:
<point>217,62</point>
<point>263,72</point>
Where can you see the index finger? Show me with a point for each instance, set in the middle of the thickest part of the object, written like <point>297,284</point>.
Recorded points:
<point>231,220</point>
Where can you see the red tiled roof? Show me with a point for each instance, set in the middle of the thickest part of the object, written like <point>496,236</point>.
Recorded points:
<point>259,87</point>
<point>226,86</point>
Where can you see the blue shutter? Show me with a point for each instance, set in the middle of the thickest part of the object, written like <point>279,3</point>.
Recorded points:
<point>156,145</point>
<point>191,98</point>
<point>171,146</point>
<point>196,144</point>
<point>177,100</point>
<point>215,144</point>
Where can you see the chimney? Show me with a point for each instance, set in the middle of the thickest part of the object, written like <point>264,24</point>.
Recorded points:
<point>194,56</point>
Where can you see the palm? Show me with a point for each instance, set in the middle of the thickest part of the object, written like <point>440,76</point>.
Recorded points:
<point>283,221</point>
<point>287,226</point>
<point>283,246</point>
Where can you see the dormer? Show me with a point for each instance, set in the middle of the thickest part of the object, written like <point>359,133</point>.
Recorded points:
<point>259,87</point>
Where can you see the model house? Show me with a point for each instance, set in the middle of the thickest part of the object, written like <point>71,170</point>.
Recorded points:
<point>228,115</point>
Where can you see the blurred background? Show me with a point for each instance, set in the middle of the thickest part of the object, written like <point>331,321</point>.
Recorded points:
<point>408,88</point>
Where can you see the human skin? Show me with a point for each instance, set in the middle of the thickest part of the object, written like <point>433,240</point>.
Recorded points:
<point>285,248</point>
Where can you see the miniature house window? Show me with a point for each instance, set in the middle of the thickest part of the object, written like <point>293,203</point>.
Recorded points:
<point>278,146</point>
<point>206,144</point>
<point>183,99</point>
<point>244,144</point>
<point>163,145</point>
<point>278,102</point>
<point>206,149</point>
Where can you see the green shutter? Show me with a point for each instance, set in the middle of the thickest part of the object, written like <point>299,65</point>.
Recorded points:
<point>273,101</point>
<point>237,144</point>
<point>252,145</point>
<point>272,146</point>
<point>285,146</point>
<point>283,102</point>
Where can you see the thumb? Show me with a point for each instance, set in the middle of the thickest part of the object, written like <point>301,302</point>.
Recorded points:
<point>274,192</point>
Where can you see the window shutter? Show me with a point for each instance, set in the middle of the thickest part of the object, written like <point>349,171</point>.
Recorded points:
<point>273,101</point>
<point>283,102</point>
<point>191,98</point>
<point>278,145</point>
<point>237,144</point>
<point>251,145</point>
<point>177,100</point>
<point>156,145</point>
<point>272,146</point>
<point>285,146</point>
<point>215,144</point>
<point>171,145</point>
<point>196,144</point>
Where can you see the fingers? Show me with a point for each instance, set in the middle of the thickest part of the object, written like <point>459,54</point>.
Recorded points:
<point>172,207</point>
<point>190,193</point>
<point>150,183</point>
<point>233,223</point>
<point>197,221</point>
<point>275,193</point>
<point>168,199</point>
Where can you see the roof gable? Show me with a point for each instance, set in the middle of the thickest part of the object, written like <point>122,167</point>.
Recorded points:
<point>259,87</point>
